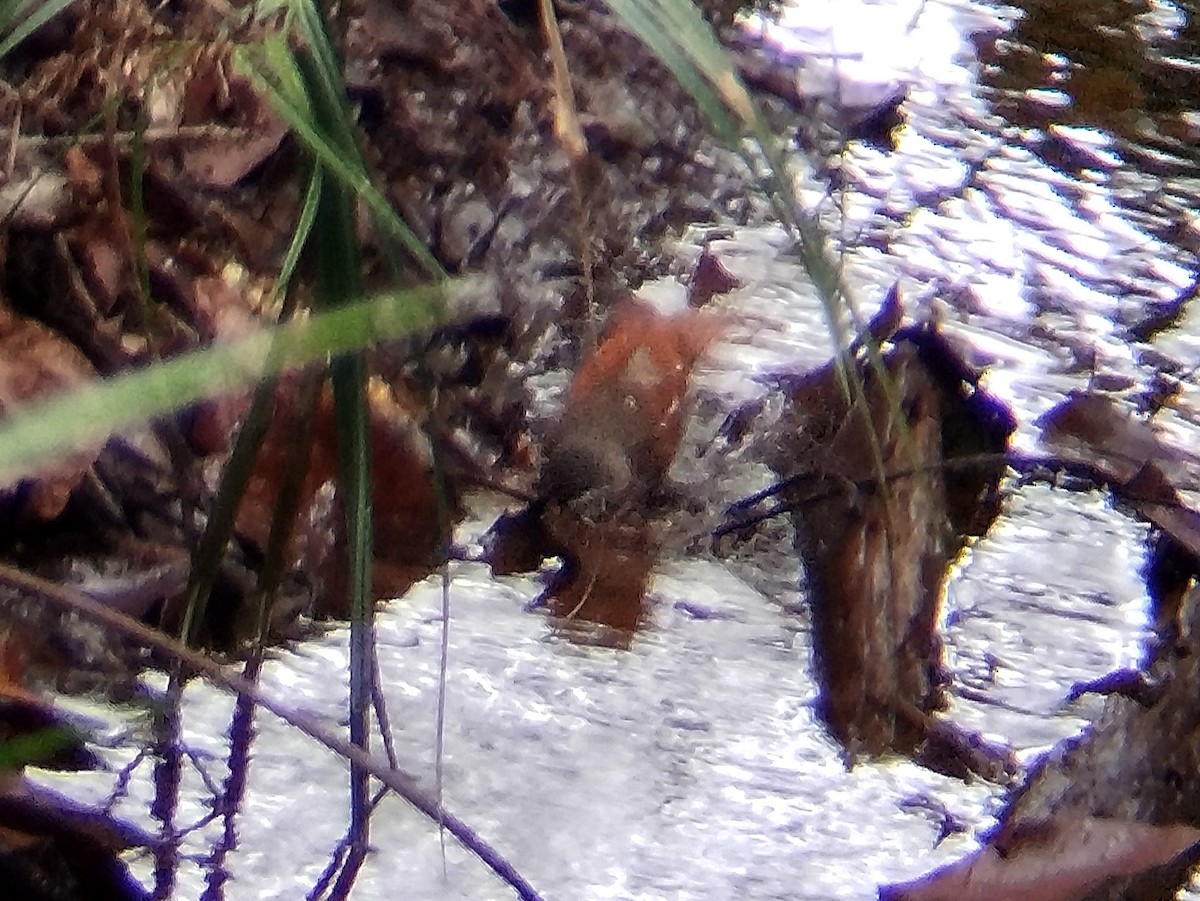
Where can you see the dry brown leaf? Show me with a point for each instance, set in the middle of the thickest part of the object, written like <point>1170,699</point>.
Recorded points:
<point>35,361</point>
<point>1092,430</point>
<point>405,507</point>
<point>709,278</point>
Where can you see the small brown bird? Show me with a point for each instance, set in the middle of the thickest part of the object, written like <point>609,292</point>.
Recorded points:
<point>624,415</point>
<point>605,469</point>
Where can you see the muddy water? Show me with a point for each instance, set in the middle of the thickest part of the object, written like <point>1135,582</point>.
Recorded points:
<point>692,766</point>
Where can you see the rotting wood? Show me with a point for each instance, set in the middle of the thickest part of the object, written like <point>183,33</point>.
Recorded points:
<point>877,556</point>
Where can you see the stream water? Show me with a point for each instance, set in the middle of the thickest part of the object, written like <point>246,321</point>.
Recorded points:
<point>692,765</point>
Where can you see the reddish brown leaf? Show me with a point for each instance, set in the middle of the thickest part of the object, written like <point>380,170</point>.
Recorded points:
<point>103,266</point>
<point>35,361</point>
<point>408,534</point>
<point>86,178</point>
<point>709,278</point>
<point>223,160</point>
<point>1092,431</point>
<point>405,506</point>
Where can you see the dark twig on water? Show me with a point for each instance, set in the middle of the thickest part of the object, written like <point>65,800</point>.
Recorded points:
<point>229,801</point>
<point>166,730</point>
<point>1031,467</point>
<point>336,858</point>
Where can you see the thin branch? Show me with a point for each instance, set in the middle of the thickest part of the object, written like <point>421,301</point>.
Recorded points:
<point>338,855</point>
<point>123,140</point>
<point>1029,465</point>
<point>397,780</point>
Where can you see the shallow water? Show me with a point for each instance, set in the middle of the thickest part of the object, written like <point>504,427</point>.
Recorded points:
<point>691,765</point>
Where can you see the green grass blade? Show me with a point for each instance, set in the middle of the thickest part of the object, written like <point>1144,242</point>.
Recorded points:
<point>677,33</point>
<point>35,15</point>
<point>339,266</point>
<point>675,57</point>
<point>235,475</point>
<point>679,36</point>
<point>286,508</point>
<point>304,226</point>
<point>36,434</point>
<point>271,76</point>
<point>35,748</point>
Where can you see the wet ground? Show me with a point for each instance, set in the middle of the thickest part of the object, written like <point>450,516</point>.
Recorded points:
<point>692,765</point>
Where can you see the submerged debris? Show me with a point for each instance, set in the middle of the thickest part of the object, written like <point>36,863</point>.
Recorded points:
<point>1112,814</point>
<point>1066,860</point>
<point>883,491</point>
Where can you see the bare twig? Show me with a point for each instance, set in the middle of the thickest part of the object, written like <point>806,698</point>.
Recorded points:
<point>397,780</point>
<point>339,854</point>
<point>123,140</point>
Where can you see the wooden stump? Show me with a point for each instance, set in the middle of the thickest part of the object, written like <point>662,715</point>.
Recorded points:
<point>877,506</point>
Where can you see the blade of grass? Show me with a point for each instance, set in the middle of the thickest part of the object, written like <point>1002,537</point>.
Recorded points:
<point>138,226</point>
<point>684,42</point>
<point>18,750</point>
<point>21,18</point>
<point>640,18</point>
<point>339,265</point>
<point>445,521</point>
<point>286,508</point>
<point>36,434</point>
<point>272,74</point>
<point>236,473</point>
<point>348,374</point>
<point>569,132</point>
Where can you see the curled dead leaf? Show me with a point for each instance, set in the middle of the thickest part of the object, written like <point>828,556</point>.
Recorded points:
<point>36,361</point>
<point>407,514</point>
